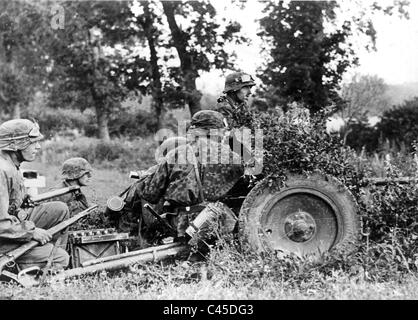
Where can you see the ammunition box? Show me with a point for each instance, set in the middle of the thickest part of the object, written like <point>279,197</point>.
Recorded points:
<point>85,245</point>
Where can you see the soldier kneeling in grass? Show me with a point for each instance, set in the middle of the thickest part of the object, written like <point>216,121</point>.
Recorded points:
<point>201,171</point>
<point>19,142</point>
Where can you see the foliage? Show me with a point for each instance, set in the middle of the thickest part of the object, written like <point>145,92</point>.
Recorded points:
<point>118,153</point>
<point>60,120</point>
<point>359,135</point>
<point>301,52</point>
<point>200,46</point>
<point>23,59</point>
<point>306,60</point>
<point>400,124</point>
<point>90,63</point>
<point>395,132</point>
<point>298,143</point>
<point>364,95</point>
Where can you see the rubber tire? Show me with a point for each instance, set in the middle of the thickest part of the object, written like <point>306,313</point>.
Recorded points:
<point>348,222</point>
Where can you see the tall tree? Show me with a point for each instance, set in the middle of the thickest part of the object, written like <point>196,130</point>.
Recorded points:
<point>364,94</point>
<point>148,21</point>
<point>23,60</point>
<point>309,50</point>
<point>200,45</point>
<point>92,61</point>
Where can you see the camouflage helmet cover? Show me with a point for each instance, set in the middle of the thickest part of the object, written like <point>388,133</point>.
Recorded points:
<point>168,145</point>
<point>75,168</point>
<point>18,134</point>
<point>207,119</point>
<point>238,80</point>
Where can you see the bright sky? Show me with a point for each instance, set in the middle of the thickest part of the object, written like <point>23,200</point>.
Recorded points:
<point>396,59</point>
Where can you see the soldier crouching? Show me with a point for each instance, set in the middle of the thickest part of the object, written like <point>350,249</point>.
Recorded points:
<point>201,171</point>
<point>19,142</point>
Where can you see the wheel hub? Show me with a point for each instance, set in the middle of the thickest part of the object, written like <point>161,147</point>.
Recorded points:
<point>300,226</point>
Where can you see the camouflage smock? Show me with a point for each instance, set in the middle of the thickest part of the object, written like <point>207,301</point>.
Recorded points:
<point>12,193</point>
<point>236,114</point>
<point>175,180</point>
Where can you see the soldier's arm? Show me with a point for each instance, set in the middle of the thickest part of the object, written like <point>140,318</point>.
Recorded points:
<point>153,186</point>
<point>10,227</point>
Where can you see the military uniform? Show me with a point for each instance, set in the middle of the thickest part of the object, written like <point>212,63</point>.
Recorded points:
<point>18,225</point>
<point>236,113</point>
<point>205,169</point>
<point>72,170</point>
<point>76,201</point>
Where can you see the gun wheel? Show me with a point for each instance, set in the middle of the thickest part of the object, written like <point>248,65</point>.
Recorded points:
<point>308,216</point>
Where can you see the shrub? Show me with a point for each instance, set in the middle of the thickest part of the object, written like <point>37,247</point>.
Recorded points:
<point>400,125</point>
<point>117,153</point>
<point>295,142</point>
<point>361,135</point>
<point>128,124</point>
<point>53,121</point>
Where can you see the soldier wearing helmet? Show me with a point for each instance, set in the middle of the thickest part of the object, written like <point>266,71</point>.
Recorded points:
<point>202,170</point>
<point>234,101</point>
<point>233,106</point>
<point>75,172</point>
<point>19,142</point>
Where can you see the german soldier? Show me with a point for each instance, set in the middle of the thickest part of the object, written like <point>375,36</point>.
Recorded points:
<point>75,172</point>
<point>204,169</point>
<point>19,141</point>
<point>233,104</point>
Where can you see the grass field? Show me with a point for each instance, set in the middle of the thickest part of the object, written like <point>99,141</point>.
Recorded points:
<point>180,280</point>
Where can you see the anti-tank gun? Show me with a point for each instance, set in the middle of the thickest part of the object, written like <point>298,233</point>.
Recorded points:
<point>303,215</point>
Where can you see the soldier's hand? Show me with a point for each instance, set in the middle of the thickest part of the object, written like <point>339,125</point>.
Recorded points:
<point>27,202</point>
<point>42,236</point>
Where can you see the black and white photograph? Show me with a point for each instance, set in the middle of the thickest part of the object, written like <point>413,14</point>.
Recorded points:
<point>206,156</point>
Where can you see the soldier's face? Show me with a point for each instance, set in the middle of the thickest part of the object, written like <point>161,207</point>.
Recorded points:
<point>85,179</point>
<point>243,93</point>
<point>29,154</point>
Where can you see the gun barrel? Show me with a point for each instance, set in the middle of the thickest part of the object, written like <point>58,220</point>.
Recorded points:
<point>157,249</point>
<point>54,193</point>
<point>16,253</point>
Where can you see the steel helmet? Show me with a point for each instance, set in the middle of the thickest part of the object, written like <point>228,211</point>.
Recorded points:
<point>168,145</point>
<point>238,80</point>
<point>75,168</point>
<point>18,134</point>
<point>207,119</point>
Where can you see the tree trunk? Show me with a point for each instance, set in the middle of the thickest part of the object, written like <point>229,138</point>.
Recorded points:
<point>102,125</point>
<point>192,96</point>
<point>16,111</point>
<point>156,85</point>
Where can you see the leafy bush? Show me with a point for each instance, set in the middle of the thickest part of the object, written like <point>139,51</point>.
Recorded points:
<point>361,135</point>
<point>53,121</point>
<point>295,142</point>
<point>396,131</point>
<point>128,124</point>
<point>117,153</point>
<point>400,124</point>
